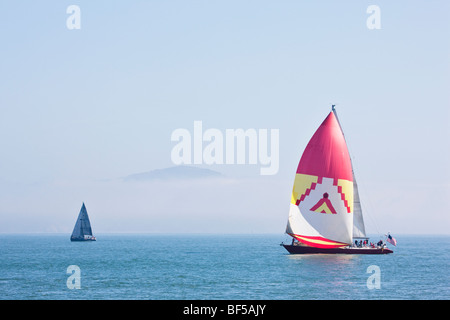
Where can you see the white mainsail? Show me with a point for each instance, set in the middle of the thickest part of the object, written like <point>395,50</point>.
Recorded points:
<point>359,230</point>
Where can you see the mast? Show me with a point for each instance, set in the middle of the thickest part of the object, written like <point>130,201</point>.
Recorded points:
<point>359,230</point>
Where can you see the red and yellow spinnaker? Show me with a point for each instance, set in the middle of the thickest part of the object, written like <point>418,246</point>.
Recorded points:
<point>321,209</point>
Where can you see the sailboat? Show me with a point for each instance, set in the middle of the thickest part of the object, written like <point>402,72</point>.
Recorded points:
<point>325,214</point>
<point>82,230</point>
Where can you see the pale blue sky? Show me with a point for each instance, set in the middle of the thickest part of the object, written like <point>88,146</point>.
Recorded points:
<point>80,108</point>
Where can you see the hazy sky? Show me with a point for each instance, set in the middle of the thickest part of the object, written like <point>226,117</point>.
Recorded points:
<point>82,108</point>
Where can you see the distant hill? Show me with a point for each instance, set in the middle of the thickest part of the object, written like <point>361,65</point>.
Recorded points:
<point>172,173</point>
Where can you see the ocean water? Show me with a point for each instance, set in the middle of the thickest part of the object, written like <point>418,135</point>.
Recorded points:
<point>216,267</point>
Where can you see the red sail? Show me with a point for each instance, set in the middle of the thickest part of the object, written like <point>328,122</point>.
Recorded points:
<point>326,154</point>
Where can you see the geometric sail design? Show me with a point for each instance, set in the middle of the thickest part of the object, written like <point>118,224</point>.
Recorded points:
<point>303,185</point>
<point>324,205</point>
<point>321,208</point>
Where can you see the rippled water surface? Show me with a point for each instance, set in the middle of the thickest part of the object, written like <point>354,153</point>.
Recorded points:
<point>220,267</point>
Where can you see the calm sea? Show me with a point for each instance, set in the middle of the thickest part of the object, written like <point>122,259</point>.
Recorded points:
<point>216,267</point>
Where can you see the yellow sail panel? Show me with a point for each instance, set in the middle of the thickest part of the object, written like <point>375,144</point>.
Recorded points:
<point>303,184</point>
<point>345,188</point>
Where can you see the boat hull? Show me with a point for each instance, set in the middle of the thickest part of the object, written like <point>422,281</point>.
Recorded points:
<point>82,239</point>
<point>292,249</point>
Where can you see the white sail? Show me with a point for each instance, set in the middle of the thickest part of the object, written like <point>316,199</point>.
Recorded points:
<point>359,231</point>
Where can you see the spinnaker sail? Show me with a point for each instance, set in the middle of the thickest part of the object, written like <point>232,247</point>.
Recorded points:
<point>322,202</point>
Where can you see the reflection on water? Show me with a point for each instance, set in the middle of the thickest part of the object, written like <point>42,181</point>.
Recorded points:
<point>323,272</point>
<point>323,258</point>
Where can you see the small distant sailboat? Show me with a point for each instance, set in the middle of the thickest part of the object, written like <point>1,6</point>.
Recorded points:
<point>82,230</point>
<point>325,213</point>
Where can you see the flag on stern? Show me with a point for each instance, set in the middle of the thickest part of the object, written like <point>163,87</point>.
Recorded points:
<point>391,240</point>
